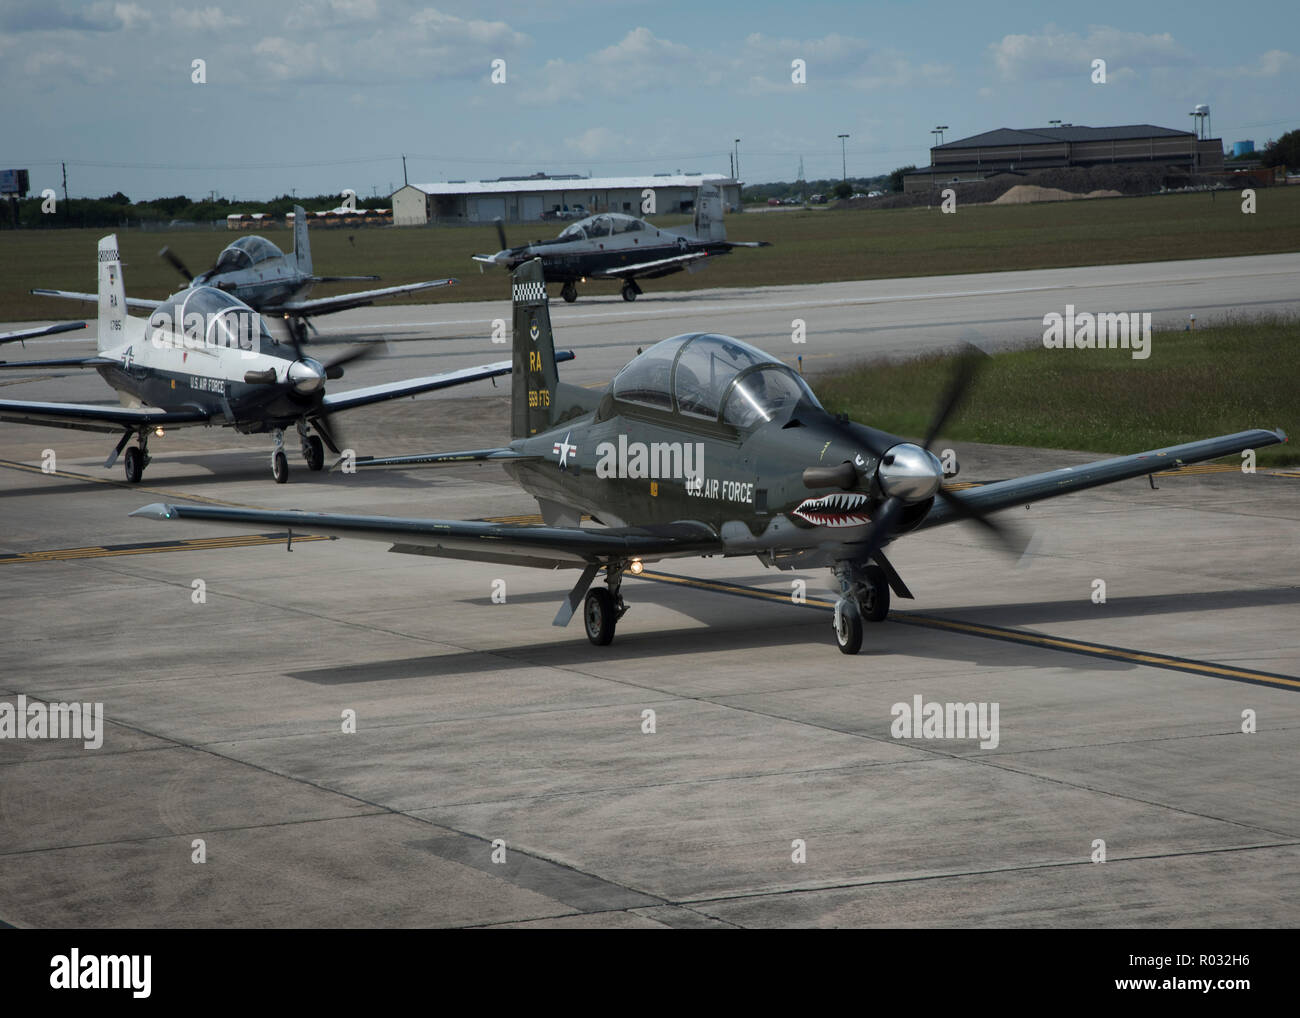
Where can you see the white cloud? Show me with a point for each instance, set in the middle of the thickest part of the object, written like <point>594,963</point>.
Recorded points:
<point>1053,53</point>
<point>206,19</point>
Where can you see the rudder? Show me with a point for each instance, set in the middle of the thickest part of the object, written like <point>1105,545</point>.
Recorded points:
<point>534,378</point>
<point>112,295</point>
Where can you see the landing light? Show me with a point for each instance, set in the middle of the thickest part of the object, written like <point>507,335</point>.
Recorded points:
<point>159,432</point>
<point>635,566</point>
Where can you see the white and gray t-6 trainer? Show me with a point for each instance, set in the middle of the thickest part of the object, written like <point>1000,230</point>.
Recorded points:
<point>615,246</point>
<point>205,357</point>
<point>270,281</point>
<point>704,445</point>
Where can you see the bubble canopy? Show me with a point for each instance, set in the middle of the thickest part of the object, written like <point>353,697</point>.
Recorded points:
<point>712,377</point>
<point>602,226</point>
<point>214,316</point>
<point>246,252</point>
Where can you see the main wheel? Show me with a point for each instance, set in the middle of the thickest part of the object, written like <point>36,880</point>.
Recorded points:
<point>280,466</point>
<point>629,291</point>
<point>600,617</point>
<point>134,465</point>
<point>569,292</point>
<point>313,451</point>
<point>848,626</point>
<point>875,601</point>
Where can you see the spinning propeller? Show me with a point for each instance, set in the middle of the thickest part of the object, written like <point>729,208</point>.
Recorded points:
<point>907,473</point>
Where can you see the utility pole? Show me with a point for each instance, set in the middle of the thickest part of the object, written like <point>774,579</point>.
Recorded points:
<point>405,182</point>
<point>844,171</point>
<point>737,165</point>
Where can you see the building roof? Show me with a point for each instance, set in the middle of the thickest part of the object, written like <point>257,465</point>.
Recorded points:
<point>527,185</point>
<point>1055,135</point>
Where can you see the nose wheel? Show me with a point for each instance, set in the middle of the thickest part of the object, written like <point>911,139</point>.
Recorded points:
<point>569,292</point>
<point>864,597</point>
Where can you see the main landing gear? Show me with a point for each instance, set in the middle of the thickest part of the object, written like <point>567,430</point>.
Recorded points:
<point>313,450</point>
<point>604,607</point>
<point>864,595</point>
<point>136,459</point>
<point>630,289</point>
<point>569,291</point>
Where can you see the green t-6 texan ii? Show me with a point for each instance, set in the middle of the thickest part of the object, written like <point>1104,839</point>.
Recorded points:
<point>701,446</point>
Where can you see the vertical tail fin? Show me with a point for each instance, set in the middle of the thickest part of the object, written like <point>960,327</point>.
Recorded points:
<point>112,295</point>
<point>301,245</point>
<point>534,380</point>
<point>708,214</point>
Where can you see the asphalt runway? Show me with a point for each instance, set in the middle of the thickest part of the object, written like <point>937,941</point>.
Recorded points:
<point>499,773</point>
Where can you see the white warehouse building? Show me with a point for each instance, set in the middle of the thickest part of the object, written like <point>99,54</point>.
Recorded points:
<point>529,199</point>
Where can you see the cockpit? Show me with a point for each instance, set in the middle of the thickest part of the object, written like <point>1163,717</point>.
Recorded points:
<point>604,225</point>
<point>206,316</point>
<point>712,378</point>
<point>245,253</point>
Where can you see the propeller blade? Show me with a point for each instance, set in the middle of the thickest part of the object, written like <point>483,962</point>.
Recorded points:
<point>1011,541</point>
<point>963,374</point>
<point>501,235</point>
<point>882,526</point>
<point>170,256</point>
<point>260,377</point>
<point>334,366</point>
<point>328,435</point>
<point>843,476</point>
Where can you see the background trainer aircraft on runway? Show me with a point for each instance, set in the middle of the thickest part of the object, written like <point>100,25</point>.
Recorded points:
<point>704,445</point>
<point>270,281</point>
<point>205,357</point>
<point>615,246</point>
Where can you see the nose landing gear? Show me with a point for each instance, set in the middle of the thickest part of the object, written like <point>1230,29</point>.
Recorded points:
<point>864,596</point>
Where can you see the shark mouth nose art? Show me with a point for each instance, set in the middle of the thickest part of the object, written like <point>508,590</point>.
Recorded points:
<point>842,509</point>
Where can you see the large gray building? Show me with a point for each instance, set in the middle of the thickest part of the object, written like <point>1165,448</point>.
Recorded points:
<point>984,155</point>
<point>529,199</point>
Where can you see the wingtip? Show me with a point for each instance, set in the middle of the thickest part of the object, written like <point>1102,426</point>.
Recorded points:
<point>154,511</point>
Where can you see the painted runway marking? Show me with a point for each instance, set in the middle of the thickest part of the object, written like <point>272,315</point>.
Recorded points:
<point>1021,636</point>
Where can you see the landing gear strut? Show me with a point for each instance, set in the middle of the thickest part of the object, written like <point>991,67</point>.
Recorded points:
<point>313,450</point>
<point>604,607</point>
<point>630,290</point>
<point>569,292</point>
<point>864,595</point>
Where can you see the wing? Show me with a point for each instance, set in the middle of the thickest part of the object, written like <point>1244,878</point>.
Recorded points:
<point>58,362</point>
<point>658,265</point>
<point>132,302</point>
<point>90,417</point>
<point>336,402</point>
<point>48,330</point>
<point>540,546</point>
<point>443,459</point>
<point>1036,487</point>
<point>324,305</point>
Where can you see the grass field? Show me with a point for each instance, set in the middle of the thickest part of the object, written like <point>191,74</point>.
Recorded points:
<point>808,247</point>
<point>1214,381</point>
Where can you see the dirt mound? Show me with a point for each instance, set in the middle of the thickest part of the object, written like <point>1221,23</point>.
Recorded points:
<point>1022,194</point>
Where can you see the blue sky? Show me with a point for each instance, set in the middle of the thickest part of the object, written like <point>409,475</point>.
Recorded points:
<point>319,95</point>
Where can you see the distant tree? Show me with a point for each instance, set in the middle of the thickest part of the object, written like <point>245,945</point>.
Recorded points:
<point>896,178</point>
<point>842,190</point>
<point>1283,152</point>
<point>117,198</point>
